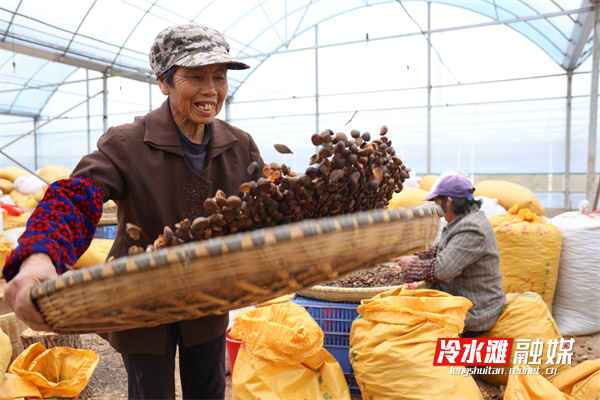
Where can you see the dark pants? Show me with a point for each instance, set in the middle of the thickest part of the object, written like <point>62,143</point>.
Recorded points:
<point>201,368</point>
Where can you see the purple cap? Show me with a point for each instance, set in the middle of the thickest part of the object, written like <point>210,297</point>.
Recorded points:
<point>452,186</point>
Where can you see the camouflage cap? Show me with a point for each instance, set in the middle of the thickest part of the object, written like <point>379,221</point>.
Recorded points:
<point>190,45</point>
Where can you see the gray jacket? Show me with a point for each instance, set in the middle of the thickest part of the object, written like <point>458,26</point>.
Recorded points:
<point>468,265</point>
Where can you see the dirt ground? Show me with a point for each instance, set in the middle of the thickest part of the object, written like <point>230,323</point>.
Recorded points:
<point>109,381</point>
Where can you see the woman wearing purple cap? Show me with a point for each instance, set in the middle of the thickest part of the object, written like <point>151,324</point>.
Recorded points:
<point>159,169</point>
<point>465,262</point>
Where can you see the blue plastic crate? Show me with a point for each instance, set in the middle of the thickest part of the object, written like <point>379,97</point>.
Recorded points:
<point>106,232</point>
<point>335,320</point>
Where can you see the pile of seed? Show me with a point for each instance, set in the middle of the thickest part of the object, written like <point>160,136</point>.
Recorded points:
<point>385,274</point>
<point>345,175</point>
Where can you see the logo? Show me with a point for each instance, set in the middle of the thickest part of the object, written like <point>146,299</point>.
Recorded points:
<point>473,351</point>
<point>529,356</point>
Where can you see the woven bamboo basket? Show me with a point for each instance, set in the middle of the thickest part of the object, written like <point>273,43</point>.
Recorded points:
<point>354,295</point>
<point>13,327</point>
<point>222,274</point>
<point>4,307</point>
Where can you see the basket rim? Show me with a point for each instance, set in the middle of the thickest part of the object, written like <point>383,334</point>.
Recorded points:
<point>215,247</point>
<point>352,294</point>
<point>335,289</point>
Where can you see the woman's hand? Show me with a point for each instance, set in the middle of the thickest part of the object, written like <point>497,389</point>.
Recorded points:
<point>36,269</point>
<point>404,261</point>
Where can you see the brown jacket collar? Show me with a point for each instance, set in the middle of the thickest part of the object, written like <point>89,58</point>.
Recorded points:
<point>161,133</point>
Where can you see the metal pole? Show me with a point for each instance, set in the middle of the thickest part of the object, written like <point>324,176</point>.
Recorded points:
<point>567,178</point>
<point>149,97</point>
<point>428,88</point>
<point>87,90</point>
<point>227,104</point>
<point>24,167</point>
<point>35,140</point>
<point>47,122</point>
<point>591,164</point>
<point>105,100</point>
<point>317,78</point>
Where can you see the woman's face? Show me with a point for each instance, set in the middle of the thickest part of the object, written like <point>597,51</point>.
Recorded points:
<point>197,94</point>
<point>446,207</point>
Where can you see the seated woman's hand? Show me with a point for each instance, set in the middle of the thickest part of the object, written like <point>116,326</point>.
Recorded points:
<point>404,261</point>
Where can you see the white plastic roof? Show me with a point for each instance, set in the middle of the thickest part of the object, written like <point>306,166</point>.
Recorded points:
<point>113,36</point>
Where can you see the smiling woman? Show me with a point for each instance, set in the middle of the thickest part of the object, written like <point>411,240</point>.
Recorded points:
<point>179,148</point>
<point>196,96</point>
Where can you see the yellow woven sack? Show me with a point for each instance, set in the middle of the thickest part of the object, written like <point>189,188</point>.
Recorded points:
<point>16,195</point>
<point>509,193</point>
<point>5,249</point>
<point>393,341</point>
<point>427,181</point>
<point>282,357</point>
<point>3,255</point>
<point>532,387</point>
<point>56,372</point>
<point>11,173</point>
<point>11,221</point>
<point>51,173</point>
<point>40,195</point>
<point>27,202</point>
<point>529,252</point>
<point>96,253</point>
<point>525,316</point>
<point>16,387</point>
<point>5,353</point>
<point>581,382</point>
<point>6,185</point>
<point>409,196</point>
<point>578,383</point>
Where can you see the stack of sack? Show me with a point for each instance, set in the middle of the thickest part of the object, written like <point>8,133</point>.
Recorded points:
<point>412,194</point>
<point>577,290</point>
<point>529,249</point>
<point>413,191</point>
<point>25,190</point>
<point>510,193</point>
<point>409,196</point>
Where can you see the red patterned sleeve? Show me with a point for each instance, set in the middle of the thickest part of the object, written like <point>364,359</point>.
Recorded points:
<point>62,225</point>
<point>429,253</point>
<point>423,268</point>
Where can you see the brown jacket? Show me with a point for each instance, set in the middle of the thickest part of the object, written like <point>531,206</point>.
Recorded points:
<point>142,167</point>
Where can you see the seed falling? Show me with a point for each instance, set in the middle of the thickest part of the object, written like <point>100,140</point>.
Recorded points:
<point>133,231</point>
<point>344,176</point>
<point>253,168</point>
<point>283,149</point>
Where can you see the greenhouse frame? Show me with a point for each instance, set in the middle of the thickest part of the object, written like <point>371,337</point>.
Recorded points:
<point>503,89</point>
